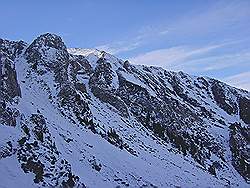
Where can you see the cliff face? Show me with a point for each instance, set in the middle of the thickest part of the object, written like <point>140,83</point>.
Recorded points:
<point>76,118</point>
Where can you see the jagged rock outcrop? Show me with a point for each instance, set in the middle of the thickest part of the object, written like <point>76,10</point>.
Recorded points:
<point>244,108</point>
<point>9,86</point>
<point>221,99</point>
<point>49,53</point>
<point>103,83</point>
<point>239,142</point>
<point>12,48</point>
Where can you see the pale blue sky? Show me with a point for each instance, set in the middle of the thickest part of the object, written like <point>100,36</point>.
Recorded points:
<point>200,37</point>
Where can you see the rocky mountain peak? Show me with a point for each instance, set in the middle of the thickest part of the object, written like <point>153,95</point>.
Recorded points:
<point>48,53</point>
<point>12,49</point>
<point>49,40</point>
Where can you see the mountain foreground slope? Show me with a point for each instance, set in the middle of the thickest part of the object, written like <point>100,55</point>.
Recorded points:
<point>84,118</point>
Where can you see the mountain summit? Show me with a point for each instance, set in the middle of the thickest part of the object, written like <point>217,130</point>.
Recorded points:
<point>84,118</point>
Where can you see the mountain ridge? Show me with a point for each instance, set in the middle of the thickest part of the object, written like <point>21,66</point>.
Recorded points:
<point>145,115</point>
<point>92,51</point>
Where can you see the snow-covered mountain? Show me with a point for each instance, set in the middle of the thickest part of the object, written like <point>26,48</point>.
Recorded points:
<point>84,118</point>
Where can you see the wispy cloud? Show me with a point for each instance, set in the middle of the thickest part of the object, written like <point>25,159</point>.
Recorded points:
<point>239,80</point>
<point>215,63</point>
<point>220,16</point>
<point>172,57</point>
<point>143,36</point>
<point>118,47</point>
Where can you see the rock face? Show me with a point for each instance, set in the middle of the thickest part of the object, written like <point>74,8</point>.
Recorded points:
<point>48,53</point>
<point>76,118</point>
<point>103,84</point>
<point>9,86</point>
<point>239,141</point>
<point>244,108</point>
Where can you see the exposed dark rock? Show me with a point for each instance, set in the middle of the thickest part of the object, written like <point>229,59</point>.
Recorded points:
<point>40,52</point>
<point>244,107</point>
<point>114,138</point>
<point>9,89</point>
<point>219,96</point>
<point>239,141</point>
<point>40,126</point>
<point>8,79</point>
<point>101,86</point>
<point>34,166</point>
<point>11,48</point>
